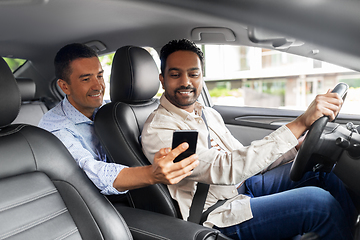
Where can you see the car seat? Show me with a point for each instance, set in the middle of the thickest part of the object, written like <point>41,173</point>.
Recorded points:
<point>44,194</point>
<point>31,110</point>
<point>134,82</point>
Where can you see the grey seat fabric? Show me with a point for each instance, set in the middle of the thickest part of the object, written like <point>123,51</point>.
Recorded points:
<point>134,83</point>
<point>31,110</point>
<point>44,194</point>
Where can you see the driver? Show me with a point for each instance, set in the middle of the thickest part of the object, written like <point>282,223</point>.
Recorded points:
<point>261,200</point>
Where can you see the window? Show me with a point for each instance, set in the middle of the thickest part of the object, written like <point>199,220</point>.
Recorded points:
<point>14,63</point>
<point>248,76</point>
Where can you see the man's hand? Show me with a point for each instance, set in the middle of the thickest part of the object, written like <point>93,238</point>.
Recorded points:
<point>163,170</point>
<point>328,104</point>
<point>166,171</point>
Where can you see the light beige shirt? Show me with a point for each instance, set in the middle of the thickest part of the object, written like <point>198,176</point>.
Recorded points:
<point>224,169</point>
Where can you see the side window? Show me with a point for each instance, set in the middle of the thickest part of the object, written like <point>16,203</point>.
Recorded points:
<point>248,76</point>
<point>106,62</point>
<point>14,63</point>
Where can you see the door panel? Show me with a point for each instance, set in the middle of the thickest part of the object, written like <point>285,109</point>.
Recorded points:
<point>250,123</point>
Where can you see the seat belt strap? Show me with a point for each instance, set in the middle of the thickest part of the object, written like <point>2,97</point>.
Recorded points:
<point>205,214</point>
<point>198,202</point>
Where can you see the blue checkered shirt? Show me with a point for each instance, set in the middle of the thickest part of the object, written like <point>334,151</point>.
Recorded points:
<point>77,133</point>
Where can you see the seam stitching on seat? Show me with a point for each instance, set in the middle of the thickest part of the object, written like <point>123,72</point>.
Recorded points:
<point>17,129</point>
<point>34,223</point>
<point>27,200</point>
<point>148,233</point>
<point>67,234</point>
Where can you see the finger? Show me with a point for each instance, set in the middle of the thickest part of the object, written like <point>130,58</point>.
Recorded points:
<point>176,151</point>
<point>189,162</point>
<point>162,152</point>
<point>183,169</point>
<point>186,165</point>
<point>177,179</point>
<point>331,101</point>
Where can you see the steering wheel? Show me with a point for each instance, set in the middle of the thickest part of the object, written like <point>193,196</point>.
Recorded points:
<point>309,145</point>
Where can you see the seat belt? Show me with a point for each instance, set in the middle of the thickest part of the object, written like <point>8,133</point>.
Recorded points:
<point>198,202</point>
<point>196,214</point>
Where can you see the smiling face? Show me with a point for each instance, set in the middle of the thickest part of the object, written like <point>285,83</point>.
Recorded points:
<point>182,79</point>
<point>86,87</point>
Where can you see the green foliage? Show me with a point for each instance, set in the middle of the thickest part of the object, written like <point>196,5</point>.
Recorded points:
<point>14,63</point>
<point>355,83</point>
<point>107,59</point>
<point>219,92</point>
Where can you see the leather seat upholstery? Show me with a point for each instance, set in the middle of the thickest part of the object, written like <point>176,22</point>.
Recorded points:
<point>44,194</point>
<point>134,83</point>
<point>31,110</point>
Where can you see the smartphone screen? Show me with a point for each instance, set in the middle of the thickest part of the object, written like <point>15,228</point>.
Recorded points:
<point>189,136</point>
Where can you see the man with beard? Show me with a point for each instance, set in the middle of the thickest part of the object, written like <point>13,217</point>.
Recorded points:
<point>261,201</point>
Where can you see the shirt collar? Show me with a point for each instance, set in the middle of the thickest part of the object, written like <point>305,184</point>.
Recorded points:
<point>182,113</point>
<point>75,115</point>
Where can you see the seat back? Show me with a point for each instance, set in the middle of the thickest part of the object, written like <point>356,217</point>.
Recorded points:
<point>134,82</point>
<point>31,110</point>
<point>44,194</point>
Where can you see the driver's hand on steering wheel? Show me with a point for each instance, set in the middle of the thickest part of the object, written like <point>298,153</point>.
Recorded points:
<point>328,104</point>
<point>300,141</point>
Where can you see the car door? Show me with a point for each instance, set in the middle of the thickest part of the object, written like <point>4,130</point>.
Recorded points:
<point>250,123</point>
<point>256,99</point>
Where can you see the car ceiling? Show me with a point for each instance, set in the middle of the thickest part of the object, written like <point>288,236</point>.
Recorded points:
<point>36,29</point>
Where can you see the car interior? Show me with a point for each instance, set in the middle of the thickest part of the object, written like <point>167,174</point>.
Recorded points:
<point>45,195</point>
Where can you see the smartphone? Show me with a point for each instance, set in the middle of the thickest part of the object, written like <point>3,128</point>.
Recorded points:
<point>189,136</point>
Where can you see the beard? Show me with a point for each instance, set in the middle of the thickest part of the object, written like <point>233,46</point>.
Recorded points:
<point>181,100</point>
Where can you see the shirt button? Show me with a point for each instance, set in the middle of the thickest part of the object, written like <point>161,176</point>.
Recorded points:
<point>200,120</point>
<point>233,191</point>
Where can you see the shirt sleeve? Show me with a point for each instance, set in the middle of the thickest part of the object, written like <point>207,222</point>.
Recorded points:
<point>235,164</point>
<point>102,174</point>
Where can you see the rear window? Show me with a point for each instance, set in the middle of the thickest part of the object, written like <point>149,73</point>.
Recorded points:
<point>14,63</point>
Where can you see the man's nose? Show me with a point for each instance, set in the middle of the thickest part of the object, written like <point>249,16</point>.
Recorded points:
<point>97,84</point>
<point>185,80</point>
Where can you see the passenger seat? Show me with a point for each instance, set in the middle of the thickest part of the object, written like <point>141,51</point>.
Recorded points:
<point>31,110</point>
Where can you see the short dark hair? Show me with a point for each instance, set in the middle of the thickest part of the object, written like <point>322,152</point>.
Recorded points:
<point>66,55</point>
<point>179,45</point>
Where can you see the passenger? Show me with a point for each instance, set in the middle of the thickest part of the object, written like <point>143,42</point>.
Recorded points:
<point>262,202</point>
<point>80,76</point>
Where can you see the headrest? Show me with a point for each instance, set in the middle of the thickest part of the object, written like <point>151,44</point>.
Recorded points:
<point>27,88</point>
<point>9,95</point>
<point>134,75</point>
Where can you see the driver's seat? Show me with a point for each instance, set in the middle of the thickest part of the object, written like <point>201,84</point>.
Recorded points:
<point>44,194</point>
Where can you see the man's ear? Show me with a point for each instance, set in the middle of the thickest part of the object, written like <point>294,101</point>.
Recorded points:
<point>161,78</point>
<point>64,86</point>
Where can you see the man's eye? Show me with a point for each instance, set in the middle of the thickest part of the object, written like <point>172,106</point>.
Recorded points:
<point>85,79</point>
<point>174,75</point>
<point>194,75</point>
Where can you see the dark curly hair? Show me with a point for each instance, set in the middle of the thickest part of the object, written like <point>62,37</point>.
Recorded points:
<point>178,45</point>
<point>66,55</point>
